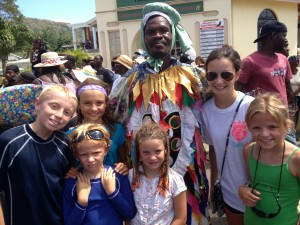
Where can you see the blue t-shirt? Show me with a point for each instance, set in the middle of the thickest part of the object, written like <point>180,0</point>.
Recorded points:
<point>102,209</point>
<point>118,139</point>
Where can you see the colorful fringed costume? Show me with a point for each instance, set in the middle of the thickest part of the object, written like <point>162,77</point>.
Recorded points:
<point>173,99</point>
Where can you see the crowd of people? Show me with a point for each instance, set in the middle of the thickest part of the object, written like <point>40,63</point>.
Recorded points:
<point>125,145</point>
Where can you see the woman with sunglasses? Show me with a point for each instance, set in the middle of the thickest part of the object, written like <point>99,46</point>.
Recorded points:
<point>273,165</point>
<point>225,130</point>
<point>98,195</point>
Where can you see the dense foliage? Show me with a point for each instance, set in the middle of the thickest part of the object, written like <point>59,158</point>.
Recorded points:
<point>55,34</point>
<point>13,38</point>
<point>9,11</point>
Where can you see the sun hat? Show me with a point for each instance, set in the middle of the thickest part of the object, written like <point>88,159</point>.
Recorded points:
<point>125,61</point>
<point>90,58</point>
<point>86,72</point>
<point>50,59</point>
<point>269,27</point>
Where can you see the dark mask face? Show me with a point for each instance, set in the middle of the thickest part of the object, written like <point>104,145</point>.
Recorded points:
<point>158,37</point>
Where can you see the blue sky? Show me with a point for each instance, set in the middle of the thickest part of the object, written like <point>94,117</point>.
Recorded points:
<point>71,11</point>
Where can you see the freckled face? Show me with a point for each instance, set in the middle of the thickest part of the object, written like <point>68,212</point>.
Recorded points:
<point>91,155</point>
<point>152,153</point>
<point>56,111</point>
<point>265,131</point>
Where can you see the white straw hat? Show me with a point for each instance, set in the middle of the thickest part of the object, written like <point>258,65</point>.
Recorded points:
<point>86,72</point>
<point>50,59</point>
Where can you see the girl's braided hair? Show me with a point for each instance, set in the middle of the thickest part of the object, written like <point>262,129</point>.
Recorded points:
<point>152,131</point>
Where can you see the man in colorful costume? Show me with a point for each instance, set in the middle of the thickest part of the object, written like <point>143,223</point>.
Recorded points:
<point>167,92</point>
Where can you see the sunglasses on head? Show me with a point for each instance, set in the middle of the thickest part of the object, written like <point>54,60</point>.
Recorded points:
<point>226,75</point>
<point>262,214</point>
<point>93,134</point>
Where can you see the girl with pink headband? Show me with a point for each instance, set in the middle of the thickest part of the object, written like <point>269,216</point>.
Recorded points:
<point>93,107</point>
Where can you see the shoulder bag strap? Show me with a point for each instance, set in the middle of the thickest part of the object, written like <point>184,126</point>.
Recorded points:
<point>228,135</point>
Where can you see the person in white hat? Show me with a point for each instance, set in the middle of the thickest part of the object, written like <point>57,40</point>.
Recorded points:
<point>50,72</point>
<point>84,73</point>
<point>121,64</point>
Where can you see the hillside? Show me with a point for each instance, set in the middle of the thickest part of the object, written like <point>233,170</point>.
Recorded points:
<point>55,34</point>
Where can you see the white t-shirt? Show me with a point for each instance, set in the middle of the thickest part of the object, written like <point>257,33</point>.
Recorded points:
<point>295,81</point>
<point>216,123</point>
<point>152,207</point>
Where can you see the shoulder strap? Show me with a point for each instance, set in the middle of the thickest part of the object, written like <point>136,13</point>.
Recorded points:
<point>291,155</point>
<point>228,135</point>
<point>252,149</point>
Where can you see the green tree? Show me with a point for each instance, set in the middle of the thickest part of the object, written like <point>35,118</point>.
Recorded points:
<point>9,11</point>
<point>13,37</point>
<point>54,34</point>
<point>78,54</point>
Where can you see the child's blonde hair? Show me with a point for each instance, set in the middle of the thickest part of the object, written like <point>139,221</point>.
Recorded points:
<point>82,130</point>
<point>51,89</point>
<point>272,104</point>
<point>151,131</point>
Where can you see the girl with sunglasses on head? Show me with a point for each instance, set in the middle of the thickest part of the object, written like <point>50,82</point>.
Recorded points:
<point>98,195</point>
<point>225,130</point>
<point>273,165</point>
<point>159,192</point>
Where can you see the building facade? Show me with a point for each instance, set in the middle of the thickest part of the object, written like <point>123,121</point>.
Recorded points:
<point>210,24</point>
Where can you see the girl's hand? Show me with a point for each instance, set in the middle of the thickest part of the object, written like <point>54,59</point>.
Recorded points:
<point>121,168</point>
<point>72,173</point>
<point>108,178</point>
<point>249,197</point>
<point>83,187</point>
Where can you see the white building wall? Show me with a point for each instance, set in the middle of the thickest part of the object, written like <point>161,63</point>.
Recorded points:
<point>240,18</point>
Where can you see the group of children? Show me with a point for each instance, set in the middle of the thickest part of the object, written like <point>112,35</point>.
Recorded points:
<point>247,149</point>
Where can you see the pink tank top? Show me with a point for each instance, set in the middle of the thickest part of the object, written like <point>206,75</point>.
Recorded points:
<point>69,85</point>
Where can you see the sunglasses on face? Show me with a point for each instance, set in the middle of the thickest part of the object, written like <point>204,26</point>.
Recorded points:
<point>226,75</point>
<point>93,134</point>
<point>262,214</point>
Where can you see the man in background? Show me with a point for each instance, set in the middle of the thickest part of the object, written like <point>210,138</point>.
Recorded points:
<point>265,70</point>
